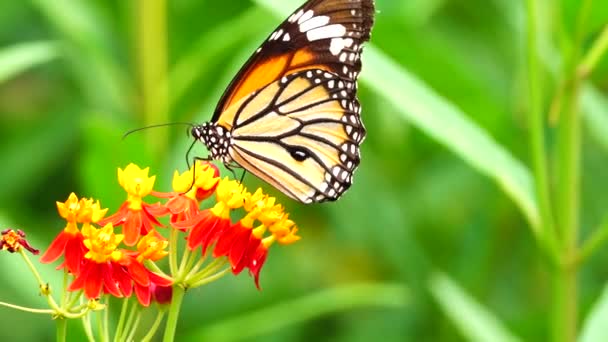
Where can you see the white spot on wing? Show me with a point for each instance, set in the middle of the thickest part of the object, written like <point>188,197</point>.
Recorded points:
<point>309,14</point>
<point>313,23</point>
<point>324,32</point>
<point>294,17</point>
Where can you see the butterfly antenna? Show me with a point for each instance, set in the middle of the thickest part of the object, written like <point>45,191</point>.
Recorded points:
<point>190,125</point>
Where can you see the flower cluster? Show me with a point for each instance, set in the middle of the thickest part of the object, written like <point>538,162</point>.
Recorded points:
<point>93,258</point>
<point>102,261</point>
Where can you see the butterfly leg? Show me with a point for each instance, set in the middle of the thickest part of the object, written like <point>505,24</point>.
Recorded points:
<point>195,159</point>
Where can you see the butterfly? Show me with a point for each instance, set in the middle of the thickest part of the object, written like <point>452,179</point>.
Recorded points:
<point>291,115</point>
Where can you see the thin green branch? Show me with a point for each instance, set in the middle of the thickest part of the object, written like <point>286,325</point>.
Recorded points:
<point>154,328</point>
<point>595,54</point>
<point>88,330</point>
<point>122,319</point>
<point>134,327</point>
<point>208,279</point>
<point>599,237</point>
<point>30,310</point>
<point>545,234</point>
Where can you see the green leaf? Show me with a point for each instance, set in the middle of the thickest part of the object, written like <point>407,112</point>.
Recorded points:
<point>421,106</point>
<point>594,328</point>
<point>474,321</point>
<point>18,58</point>
<point>303,309</point>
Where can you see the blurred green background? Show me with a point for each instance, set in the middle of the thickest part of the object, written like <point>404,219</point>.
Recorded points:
<point>431,243</point>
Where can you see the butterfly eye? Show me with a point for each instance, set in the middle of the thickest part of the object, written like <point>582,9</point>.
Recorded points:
<point>298,153</point>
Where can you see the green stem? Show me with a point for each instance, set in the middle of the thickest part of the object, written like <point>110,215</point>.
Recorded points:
<point>129,323</point>
<point>185,261</point>
<point>213,267</point>
<point>154,327</point>
<point>30,310</point>
<point>545,233</point>
<point>106,320</point>
<point>173,248</point>
<point>134,327</point>
<point>62,329</point>
<point>211,278</point>
<point>99,318</point>
<point>64,297</point>
<point>121,319</point>
<point>565,315</point>
<point>174,308</point>
<point>599,237</point>
<point>88,330</point>
<point>592,58</point>
<point>152,62</point>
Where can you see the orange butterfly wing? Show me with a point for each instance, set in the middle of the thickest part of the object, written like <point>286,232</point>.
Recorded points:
<point>321,34</point>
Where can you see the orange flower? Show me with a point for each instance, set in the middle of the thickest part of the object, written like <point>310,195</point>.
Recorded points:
<point>208,225</point>
<point>145,282</point>
<point>244,245</point>
<point>136,216</point>
<point>70,241</point>
<point>190,190</point>
<point>101,269</point>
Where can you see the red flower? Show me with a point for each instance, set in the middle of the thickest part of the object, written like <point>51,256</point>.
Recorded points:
<point>146,283</point>
<point>204,229</point>
<point>101,269</point>
<point>190,188</point>
<point>135,222</point>
<point>208,225</point>
<point>70,241</point>
<point>243,249</point>
<point>138,218</point>
<point>95,277</point>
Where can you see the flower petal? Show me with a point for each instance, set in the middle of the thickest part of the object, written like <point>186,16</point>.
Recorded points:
<point>56,248</point>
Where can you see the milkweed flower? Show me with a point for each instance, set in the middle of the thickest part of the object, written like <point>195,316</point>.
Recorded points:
<point>245,245</point>
<point>204,228</point>
<point>190,188</point>
<point>70,241</point>
<point>136,216</point>
<point>13,240</point>
<point>101,270</point>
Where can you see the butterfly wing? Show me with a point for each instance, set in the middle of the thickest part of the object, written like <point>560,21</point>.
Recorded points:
<point>291,116</point>
<point>301,134</point>
<point>321,34</point>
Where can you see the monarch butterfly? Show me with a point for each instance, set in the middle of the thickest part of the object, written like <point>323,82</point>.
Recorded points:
<point>291,115</point>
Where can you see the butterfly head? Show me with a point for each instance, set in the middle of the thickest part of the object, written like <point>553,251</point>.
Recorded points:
<point>215,137</point>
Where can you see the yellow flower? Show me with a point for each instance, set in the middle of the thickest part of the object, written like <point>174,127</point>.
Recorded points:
<point>75,211</point>
<point>90,212</point>
<point>205,179</point>
<point>230,195</point>
<point>102,244</point>
<point>69,209</point>
<point>152,247</point>
<point>136,183</point>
